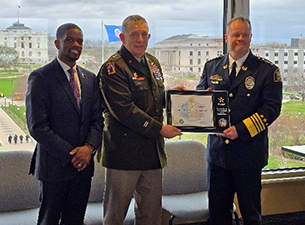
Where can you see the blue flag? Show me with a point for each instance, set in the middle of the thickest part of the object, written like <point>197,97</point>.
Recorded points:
<point>113,32</point>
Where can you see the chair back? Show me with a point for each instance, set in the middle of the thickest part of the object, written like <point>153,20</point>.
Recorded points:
<point>186,168</point>
<point>18,189</point>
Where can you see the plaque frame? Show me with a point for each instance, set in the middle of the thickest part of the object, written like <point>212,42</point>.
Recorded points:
<point>216,109</point>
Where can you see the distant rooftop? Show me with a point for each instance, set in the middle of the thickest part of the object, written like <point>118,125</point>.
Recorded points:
<point>298,42</point>
<point>18,26</point>
<point>188,37</point>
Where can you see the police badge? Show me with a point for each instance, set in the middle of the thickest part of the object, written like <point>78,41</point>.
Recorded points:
<point>249,82</point>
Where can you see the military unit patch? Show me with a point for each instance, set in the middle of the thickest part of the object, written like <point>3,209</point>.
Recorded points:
<point>277,76</point>
<point>111,68</point>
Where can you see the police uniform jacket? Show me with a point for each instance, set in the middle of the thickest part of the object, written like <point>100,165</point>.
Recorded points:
<point>134,101</point>
<point>255,102</point>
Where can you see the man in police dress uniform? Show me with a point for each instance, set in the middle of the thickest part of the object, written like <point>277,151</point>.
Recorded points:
<point>236,156</point>
<point>131,82</point>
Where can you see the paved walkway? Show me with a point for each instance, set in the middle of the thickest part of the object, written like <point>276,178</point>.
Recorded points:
<point>9,127</point>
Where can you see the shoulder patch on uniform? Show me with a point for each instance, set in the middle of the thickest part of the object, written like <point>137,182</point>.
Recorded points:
<point>110,68</point>
<point>147,54</point>
<point>277,76</point>
<point>150,57</point>
<point>218,57</point>
<point>115,57</point>
<point>265,61</point>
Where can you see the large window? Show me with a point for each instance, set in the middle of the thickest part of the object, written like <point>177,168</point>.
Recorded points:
<point>281,41</point>
<point>191,26</point>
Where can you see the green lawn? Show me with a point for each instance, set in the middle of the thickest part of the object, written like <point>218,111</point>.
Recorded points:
<point>17,113</point>
<point>6,86</point>
<point>294,106</point>
<point>277,162</point>
<point>7,73</point>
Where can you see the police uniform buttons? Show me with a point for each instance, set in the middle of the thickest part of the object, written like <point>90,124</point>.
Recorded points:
<point>227,141</point>
<point>156,99</point>
<point>248,95</point>
<point>230,95</point>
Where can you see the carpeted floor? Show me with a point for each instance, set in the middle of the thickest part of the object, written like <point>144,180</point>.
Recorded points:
<point>297,218</point>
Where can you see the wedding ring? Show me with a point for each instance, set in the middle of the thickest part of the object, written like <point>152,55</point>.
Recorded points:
<point>79,165</point>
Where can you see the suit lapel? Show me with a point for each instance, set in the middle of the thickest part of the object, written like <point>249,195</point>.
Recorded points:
<point>137,66</point>
<point>243,73</point>
<point>132,61</point>
<point>247,69</point>
<point>85,85</point>
<point>223,66</point>
<point>62,79</point>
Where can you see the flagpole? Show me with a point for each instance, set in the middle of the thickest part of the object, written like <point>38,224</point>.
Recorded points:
<point>102,41</point>
<point>18,13</point>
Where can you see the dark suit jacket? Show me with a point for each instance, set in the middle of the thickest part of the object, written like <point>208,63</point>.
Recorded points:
<point>57,124</point>
<point>255,102</point>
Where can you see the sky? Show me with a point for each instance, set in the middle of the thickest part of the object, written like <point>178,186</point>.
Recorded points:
<point>272,20</point>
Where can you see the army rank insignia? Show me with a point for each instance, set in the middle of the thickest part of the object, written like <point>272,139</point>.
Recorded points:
<point>110,68</point>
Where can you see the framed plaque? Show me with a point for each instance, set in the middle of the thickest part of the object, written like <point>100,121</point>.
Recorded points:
<point>198,111</point>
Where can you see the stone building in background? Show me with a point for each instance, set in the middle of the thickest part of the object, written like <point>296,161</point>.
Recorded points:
<point>32,47</point>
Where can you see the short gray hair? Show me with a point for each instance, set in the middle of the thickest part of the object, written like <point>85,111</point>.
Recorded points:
<point>132,19</point>
<point>242,19</point>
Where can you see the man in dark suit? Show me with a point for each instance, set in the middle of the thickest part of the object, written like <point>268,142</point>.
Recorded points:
<point>236,156</point>
<point>67,123</point>
<point>133,147</point>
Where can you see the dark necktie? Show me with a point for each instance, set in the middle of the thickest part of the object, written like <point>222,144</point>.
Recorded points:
<point>142,61</point>
<point>74,85</point>
<point>143,64</point>
<point>233,73</point>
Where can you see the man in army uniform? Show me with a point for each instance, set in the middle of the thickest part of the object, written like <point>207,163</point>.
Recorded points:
<point>131,82</point>
<point>236,156</point>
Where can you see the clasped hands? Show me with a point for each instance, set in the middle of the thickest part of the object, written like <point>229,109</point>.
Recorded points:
<point>81,156</point>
